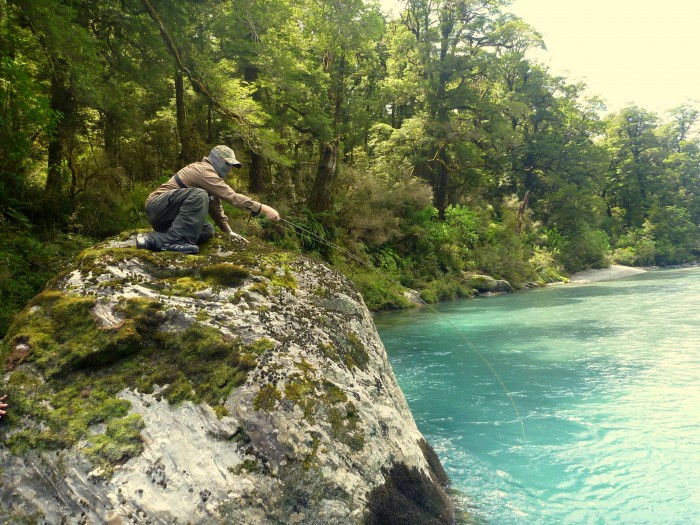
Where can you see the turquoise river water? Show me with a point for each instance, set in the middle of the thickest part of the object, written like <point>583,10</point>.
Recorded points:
<point>605,377</point>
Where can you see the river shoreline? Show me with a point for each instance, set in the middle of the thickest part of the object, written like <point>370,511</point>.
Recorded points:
<point>594,275</point>
<point>615,271</point>
<point>618,271</point>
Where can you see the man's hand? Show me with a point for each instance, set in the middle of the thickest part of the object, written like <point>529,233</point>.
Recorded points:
<point>269,212</point>
<point>238,238</point>
<point>3,406</point>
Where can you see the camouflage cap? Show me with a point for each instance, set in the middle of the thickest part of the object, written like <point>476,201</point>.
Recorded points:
<point>226,154</point>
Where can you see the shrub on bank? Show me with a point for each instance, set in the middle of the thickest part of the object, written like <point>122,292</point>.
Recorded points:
<point>28,261</point>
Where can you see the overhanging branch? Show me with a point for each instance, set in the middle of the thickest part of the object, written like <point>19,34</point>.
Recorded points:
<point>198,86</point>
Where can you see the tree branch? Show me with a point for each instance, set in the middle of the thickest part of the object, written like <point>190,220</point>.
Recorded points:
<point>199,86</point>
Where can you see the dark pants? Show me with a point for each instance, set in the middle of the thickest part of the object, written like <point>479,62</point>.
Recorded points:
<point>180,217</point>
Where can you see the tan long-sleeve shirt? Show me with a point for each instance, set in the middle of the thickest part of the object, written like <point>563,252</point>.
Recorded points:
<point>203,175</point>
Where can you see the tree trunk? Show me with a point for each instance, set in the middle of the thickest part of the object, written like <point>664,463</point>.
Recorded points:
<point>62,103</point>
<point>111,137</point>
<point>521,214</point>
<point>442,180</point>
<point>321,193</point>
<point>256,183</point>
<point>255,174</point>
<point>185,155</point>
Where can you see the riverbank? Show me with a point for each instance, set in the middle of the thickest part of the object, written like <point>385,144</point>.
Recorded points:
<point>615,271</point>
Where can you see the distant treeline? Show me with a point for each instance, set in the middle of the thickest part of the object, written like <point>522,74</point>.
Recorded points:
<point>428,144</point>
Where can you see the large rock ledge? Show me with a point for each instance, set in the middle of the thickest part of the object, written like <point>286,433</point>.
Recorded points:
<point>237,386</point>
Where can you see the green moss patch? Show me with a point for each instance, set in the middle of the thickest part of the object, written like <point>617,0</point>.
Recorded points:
<point>120,441</point>
<point>261,346</point>
<point>225,274</point>
<point>266,400</point>
<point>353,353</point>
<point>318,399</point>
<point>345,421</point>
<point>63,335</point>
<point>65,372</point>
<point>207,267</point>
<point>276,268</point>
<point>348,351</point>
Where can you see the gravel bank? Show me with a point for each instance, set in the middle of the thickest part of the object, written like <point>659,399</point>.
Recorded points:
<point>616,271</point>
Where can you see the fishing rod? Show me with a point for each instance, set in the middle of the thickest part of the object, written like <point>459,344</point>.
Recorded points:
<point>297,229</point>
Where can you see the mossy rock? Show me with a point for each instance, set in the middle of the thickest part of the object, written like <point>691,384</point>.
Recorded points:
<point>482,283</point>
<point>262,363</point>
<point>65,367</point>
<point>487,284</point>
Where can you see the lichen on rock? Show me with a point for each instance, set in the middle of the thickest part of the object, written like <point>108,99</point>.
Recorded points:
<point>234,386</point>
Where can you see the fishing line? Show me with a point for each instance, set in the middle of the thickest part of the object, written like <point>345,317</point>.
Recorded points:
<point>297,229</point>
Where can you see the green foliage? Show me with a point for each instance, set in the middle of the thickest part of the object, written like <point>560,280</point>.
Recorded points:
<point>583,247</point>
<point>378,291</point>
<point>315,232</point>
<point>101,212</point>
<point>25,115</point>
<point>449,240</point>
<point>28,261</point>
<point>668,236</point>
<point>373,204</point>
<point>676,236</point>
<point>636,248</point>
<point>437,133</point>
<point>447,288</point>
<point>503,253</point>
<point>545,266</point>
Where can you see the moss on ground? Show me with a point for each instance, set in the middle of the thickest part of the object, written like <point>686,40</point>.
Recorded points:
<point>120,441</point>
<point>75,369</point>
<point>266,400</point>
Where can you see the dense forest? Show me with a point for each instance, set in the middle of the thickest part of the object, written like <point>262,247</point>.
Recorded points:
<point>427,145</point>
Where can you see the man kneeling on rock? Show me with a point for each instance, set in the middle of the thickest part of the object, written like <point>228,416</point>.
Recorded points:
<point>178,209</point>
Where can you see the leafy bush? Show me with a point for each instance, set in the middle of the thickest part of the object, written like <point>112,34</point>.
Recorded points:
<point>315,232</point>
<point>545,266</point>
<point>450,241</point>
<point>504,254</point>
<point>101,212</point>
<point>582,248</point>
<point>372,206</point>
<point>668,236</point>
<point>386,258</point>
<point>446,288</point>
<point>379,292</point>
<point>636,248</point>
<point>28,261</point>
<point>676,237</point>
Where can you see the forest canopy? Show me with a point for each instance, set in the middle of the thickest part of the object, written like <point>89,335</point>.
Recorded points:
<point>428,144</point>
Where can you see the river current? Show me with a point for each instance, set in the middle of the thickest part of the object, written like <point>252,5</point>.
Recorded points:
<point>600,423</point>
